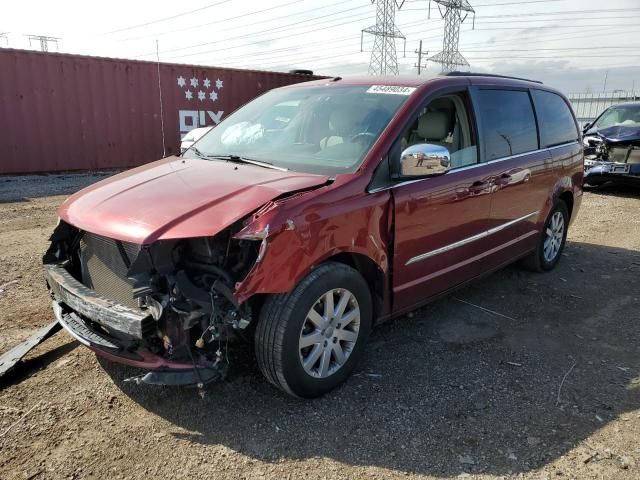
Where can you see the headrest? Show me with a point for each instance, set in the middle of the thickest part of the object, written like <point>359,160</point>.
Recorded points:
<point>433,125</point>
<point>342,121</point>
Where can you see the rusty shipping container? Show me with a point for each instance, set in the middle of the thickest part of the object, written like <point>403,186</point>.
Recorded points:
<point>62,112</point>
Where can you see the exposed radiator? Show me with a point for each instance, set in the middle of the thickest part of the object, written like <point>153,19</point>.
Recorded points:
<point>104,269</point>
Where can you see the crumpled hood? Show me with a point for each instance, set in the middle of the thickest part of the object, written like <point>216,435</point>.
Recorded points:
<point>178,198</point>
<point>617,133</point>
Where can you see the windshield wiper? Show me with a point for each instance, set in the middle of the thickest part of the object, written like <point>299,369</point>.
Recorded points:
<point>239,159</point>
<point>197,152</point>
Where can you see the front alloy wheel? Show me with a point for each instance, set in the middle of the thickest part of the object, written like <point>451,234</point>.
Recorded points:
<point>329,333</point>
<point>309,340</point>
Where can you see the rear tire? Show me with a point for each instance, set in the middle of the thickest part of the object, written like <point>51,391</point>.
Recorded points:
<point>552,240</point>
<point>304,349</point>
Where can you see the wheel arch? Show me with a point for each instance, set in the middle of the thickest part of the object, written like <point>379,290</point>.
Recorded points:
<point>564,189</point>
<point>370,271</point>
<point>567,197</point>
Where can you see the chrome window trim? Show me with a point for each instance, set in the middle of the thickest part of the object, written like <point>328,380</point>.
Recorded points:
<point>562,145</point>
<point>465,241</point>
<point>468,167</point>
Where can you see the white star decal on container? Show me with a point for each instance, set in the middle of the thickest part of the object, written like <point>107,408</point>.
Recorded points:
<point>213,96</point>
<point>201,95</point>
<point>194,82</point>
<point>206,82</point>
<point>181,81</point>
<point>188,95</point>
<point>218,84</point>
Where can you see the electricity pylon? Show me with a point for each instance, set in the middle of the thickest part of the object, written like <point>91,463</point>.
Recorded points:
<point>450,57</point>
<point>44,41</point>
<point>384,60</point>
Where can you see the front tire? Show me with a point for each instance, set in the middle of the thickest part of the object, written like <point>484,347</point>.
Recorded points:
<point>552,240</point>
<point>309,341</point>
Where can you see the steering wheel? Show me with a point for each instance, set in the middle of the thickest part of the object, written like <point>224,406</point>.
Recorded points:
<point>362,136</point>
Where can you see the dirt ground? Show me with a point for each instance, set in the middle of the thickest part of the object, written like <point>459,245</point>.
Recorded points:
<point>550,389</point>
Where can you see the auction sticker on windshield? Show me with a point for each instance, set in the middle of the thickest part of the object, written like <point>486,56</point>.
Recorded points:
<point>391,89</point>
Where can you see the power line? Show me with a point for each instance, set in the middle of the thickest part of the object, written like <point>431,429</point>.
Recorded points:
<point>300,56</point>
<point>360,18</point>
<point>228,19</point>
<point>633,47</point>
<point>516,3</point>
<point>288,48</point>
<point>551,26</point>
<point>329,57</point>
<point>492,4</point>
<point>306,58</point>
<point>498,22</point>
<point>570,35</point>
<point>554,37</point>
<point>559,12</point>
<point>285,52</point>
<point>281,28</point>
<point>253,34</point>
<point>546,57</point>
<point>178,15</point>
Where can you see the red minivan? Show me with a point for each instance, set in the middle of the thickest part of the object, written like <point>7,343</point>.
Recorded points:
<point>310,214</point>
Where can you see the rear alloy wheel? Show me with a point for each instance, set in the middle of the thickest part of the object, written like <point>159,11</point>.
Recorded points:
<point>553,237</point>
<point>309,340</point>
<point>552,240</point>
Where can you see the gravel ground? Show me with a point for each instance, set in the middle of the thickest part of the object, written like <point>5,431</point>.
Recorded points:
<point>549,389</point>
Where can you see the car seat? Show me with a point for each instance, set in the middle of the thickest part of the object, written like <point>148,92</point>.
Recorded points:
<point>341,126</point>
<point>434,128</point>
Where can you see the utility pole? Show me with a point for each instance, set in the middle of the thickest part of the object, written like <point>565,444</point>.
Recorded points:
<point>606,75</point>
<point>450,57</point>
<point>4,36</point>
<point>44,41</point>
<point>384,60</point>
<point>420,53</point>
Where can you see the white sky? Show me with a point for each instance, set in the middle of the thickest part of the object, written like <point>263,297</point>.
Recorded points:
<point>566,43</point>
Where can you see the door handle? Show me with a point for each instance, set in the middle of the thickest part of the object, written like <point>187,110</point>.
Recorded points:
<point>478,186</point>
<point>504,179</point>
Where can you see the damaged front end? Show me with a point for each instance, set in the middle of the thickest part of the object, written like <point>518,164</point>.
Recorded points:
<point>612,154</point>
<point>168,307</point>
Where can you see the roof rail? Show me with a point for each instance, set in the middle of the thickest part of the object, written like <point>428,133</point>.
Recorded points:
<point>476,74</point>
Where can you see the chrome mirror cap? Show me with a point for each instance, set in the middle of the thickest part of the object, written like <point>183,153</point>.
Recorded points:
<point>424,159</point>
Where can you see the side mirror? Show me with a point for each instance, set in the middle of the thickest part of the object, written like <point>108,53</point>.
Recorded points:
<point>424,159</point>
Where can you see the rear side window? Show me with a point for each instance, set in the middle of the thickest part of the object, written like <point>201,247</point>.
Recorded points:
<point>508,123</point>
<point>557,125</point>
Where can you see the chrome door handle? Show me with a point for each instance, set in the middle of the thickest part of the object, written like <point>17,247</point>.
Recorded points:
<point>479,186</point>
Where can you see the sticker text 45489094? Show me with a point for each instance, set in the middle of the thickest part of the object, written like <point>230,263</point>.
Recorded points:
<point>391,89</point>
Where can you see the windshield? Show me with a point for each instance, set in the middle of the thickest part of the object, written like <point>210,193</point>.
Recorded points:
<point>314,129</point>
<point>623,115</point>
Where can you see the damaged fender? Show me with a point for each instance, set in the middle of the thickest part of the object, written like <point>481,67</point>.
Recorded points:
<point>295,239</point>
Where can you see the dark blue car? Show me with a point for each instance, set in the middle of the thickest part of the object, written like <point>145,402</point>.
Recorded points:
<point>612,146</point>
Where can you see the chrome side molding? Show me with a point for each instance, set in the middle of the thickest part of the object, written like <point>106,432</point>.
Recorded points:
<point>465,241</point>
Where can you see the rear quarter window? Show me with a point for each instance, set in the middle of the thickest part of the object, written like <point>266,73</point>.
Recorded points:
<point>508,123</point>
<point>556,122</point>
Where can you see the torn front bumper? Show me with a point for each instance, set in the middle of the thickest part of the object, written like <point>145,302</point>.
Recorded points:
<point>598,172</point>
<point>118,332</point>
